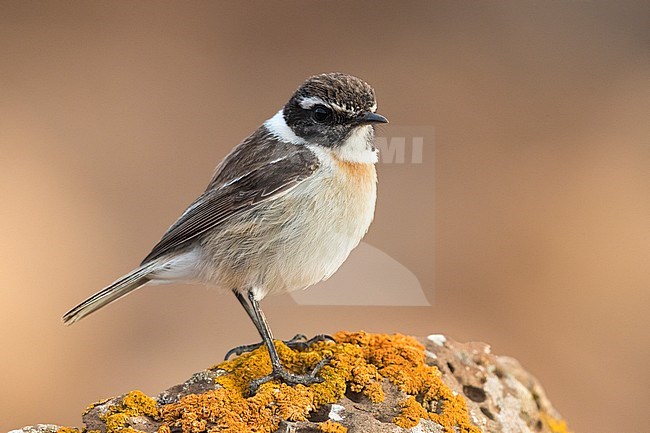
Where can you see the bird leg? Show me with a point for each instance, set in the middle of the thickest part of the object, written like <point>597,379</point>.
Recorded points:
<point>297,341</point>
<point>252,307</point>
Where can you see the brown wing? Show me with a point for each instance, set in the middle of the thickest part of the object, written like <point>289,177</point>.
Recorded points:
<point>213,207</point>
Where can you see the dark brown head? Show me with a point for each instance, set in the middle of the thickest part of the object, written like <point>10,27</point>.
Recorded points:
<point>327,108</point>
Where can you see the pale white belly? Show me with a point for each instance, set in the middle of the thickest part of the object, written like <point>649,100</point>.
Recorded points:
<point>296,240</point>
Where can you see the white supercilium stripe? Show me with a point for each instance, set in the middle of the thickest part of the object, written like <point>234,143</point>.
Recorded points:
<point>309,102</point>
<point>278,127</point>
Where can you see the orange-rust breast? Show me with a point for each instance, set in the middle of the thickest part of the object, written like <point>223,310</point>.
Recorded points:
<point>358,172</point>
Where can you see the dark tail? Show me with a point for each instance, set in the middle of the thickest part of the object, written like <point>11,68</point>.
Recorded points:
<point>122,287</point>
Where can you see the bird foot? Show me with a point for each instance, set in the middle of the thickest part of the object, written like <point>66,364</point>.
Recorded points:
<point>298,342</point>
<point>289,378</point>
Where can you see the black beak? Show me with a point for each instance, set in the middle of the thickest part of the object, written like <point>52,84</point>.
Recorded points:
<point>370,117</point>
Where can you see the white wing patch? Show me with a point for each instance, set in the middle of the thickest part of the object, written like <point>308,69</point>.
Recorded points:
<point>237,179</point>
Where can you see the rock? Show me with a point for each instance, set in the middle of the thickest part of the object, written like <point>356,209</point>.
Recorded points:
<point>373,383</point>
<point>500,395</point>
<point>38,428</point>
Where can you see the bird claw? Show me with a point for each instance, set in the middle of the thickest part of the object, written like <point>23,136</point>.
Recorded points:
<point>298,342</point>
<point>289,378</point>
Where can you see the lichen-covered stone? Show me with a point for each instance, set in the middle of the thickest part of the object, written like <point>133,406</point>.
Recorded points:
<point>373,383</point>
<point>500,395</point>
<point>42,428</point>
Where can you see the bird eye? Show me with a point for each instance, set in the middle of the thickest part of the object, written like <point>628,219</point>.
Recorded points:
<point>321,113</point>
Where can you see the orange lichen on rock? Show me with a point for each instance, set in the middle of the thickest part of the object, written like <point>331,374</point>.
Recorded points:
<point>135,403</point>
<point>556,425</point>
<point>67,430</point>
<point>75,430</point>
<point>411,414</point>
<point>401,359</point>
<point>332,427</point>
<point>357,361</point>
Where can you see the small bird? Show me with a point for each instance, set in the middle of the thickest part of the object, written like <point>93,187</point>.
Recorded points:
<point>282,212</point>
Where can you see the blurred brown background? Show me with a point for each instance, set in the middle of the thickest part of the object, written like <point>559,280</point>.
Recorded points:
<point>528,222</point>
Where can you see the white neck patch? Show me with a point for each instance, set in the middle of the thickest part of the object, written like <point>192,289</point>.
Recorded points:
<point>358,147</point>
<point>278,127</point>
